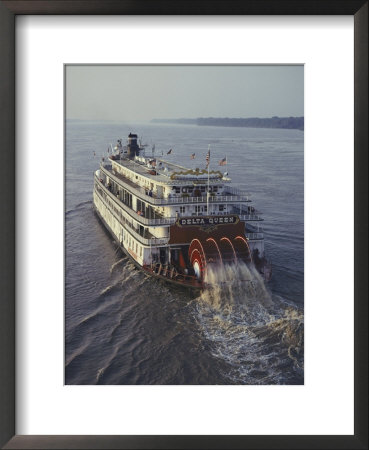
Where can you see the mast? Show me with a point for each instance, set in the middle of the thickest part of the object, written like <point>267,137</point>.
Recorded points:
<point>227,205</point>
<point>208,193</point>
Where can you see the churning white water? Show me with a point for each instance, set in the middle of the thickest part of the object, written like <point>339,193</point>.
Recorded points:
<point>240,319</point>
<point>233,284</point>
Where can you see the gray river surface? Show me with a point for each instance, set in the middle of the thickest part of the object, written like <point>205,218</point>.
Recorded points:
<point>122,327</point>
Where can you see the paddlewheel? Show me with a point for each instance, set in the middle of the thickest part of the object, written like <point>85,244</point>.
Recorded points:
<point>216,251</point>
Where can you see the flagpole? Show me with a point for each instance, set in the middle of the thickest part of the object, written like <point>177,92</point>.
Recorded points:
<point>207,196</point>
<point>227,206</point>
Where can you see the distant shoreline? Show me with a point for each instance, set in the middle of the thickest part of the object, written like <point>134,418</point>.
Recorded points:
<point>292,123</point>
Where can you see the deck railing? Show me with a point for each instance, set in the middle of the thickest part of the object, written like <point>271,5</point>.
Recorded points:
<point>255,236</point>
<point>139,218</point>
<point>249,217</point>
<point>151,241</point>
<point>235,195</point>
<point>162,221</point>
<point>128,226</point>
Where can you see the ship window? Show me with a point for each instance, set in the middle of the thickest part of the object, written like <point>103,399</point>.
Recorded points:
<point>182,209</point>
<point>202,188</point>
<point>178,190</point>
<point>221,207</point>
<point>197,208</point>
<point>215,188</point>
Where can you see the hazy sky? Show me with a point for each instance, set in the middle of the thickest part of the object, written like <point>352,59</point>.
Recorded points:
<point>141,93</point>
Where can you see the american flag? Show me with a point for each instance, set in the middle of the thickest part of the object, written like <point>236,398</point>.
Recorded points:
<point>208,158</point>
<point>223,161</point>
<point>193,156</point>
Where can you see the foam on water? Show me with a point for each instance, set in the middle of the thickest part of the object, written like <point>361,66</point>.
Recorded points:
<point>234,285</point>
<point>255,333</point>
<point>117,263</point>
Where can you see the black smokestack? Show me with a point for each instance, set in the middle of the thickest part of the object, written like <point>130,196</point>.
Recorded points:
<point>132,148</point>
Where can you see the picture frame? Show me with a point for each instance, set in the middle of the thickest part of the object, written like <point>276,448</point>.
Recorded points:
<point>8,12</point>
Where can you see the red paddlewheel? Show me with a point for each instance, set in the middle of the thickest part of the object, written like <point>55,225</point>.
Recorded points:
<point>228,252</point>
<point>211,251</point>
<point>242,249</point>
<point>197,258</point>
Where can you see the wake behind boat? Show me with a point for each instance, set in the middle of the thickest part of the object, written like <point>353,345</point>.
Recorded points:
<point>174,222</point>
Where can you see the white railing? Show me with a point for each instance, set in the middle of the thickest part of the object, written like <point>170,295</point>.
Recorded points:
<point>134,165</point>
<point>145,241</point>
<point>163,220</point>
<point>235,191</point>
<point>127,226</point>
<point>141,219</point>
<point>254,236</point>
<point>176,200</point>
<point>249,217</point>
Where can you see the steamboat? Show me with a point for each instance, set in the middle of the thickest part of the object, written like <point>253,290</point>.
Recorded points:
<point>174,222</point>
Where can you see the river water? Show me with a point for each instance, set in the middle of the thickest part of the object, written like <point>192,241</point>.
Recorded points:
<point>122,327</point>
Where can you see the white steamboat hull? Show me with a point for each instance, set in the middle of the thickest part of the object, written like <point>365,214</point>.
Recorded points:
<point>121,235</point>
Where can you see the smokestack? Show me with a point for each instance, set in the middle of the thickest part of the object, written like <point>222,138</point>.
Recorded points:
<point>132,148</point>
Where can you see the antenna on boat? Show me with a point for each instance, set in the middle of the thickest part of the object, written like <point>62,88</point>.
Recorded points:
<point>208,193</point>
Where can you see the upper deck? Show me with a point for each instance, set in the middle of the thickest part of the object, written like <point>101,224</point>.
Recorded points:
<point>163,172</point>
<point>136,181</point>
<point>170,189</point>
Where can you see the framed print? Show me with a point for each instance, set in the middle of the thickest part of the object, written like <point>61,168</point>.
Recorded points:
<point>56,59</point>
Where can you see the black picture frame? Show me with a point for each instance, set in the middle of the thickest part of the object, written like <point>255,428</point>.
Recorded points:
<point>8,11</point>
